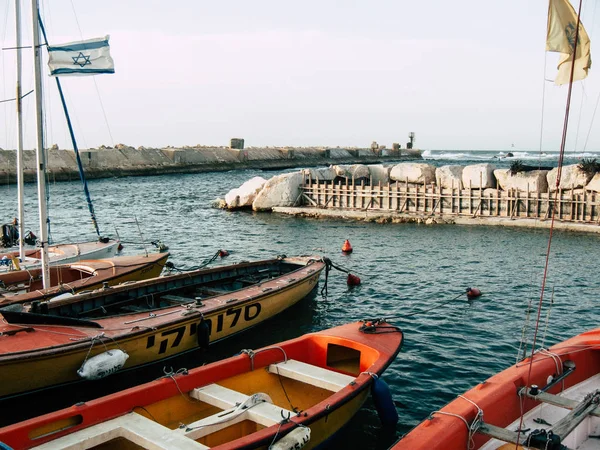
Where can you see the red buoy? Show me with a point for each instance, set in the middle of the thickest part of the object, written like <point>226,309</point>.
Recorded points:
<point>473,293</point>
<point>352,280</point>
<point>223,253</point>
<point>347,248</point>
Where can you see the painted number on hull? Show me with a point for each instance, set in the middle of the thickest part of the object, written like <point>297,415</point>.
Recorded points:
<point>250,312</point>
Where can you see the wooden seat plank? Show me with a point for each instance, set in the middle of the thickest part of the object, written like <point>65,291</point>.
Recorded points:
<point>133,427</point>
<point>266,413</point>
<point>314,375</point>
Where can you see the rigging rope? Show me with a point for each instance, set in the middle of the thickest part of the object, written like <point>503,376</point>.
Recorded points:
<point>558,178</point>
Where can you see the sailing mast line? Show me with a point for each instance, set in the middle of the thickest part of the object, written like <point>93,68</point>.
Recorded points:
<point>40,152</point>
<point>19,105</point>
<point>558,178</point>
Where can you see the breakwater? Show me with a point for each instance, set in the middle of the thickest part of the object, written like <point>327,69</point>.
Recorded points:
<point>421,193</point>
<point>120,161</point>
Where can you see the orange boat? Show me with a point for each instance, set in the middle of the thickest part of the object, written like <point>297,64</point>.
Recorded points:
<point>148,320</point>
<point>560,406</point>
<point>294,394</point>
<point>24,286</point>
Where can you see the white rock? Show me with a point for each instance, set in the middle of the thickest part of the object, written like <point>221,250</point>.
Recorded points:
<point>594,184</point>
<point>571,178</point>
<point>419,173</point>
<point>449,176</point>
<point>479,175</point>
<point>245,194</point>
<point>379,173</point>
<point>321,173</point>
<point>355,170</point>
<point>534,180</point>
<point>281,190</point>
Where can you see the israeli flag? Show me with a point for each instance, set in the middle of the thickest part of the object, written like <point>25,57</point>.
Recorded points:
<point>91,57</point>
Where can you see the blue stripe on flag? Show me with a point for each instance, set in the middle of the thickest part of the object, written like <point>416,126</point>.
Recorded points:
<point>79,47</point>
<point>81,71</point>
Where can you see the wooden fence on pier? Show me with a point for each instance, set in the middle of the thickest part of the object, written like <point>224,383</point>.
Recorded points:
<point>405,198</point>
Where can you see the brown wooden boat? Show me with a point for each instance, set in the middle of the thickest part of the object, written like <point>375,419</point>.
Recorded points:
<point>149,320</point>
<point>22,286</point>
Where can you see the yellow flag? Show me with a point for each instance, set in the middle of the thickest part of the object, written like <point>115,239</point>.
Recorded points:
<point>562,22</point>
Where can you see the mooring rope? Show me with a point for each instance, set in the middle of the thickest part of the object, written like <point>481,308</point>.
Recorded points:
<point>170,265</point>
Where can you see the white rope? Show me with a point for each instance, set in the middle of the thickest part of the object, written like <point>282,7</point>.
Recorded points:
<point>472,429</point>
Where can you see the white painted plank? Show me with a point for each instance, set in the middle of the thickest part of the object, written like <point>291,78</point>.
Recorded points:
<point>314,375</point>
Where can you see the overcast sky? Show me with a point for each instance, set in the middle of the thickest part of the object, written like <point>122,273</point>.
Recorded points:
<point>462,75</point>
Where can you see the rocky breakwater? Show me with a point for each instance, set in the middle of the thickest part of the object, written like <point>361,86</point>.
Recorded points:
<point>426,193</point>
<point>123,160</point>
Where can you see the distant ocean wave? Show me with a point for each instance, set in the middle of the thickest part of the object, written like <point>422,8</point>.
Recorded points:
<point>507,156</point>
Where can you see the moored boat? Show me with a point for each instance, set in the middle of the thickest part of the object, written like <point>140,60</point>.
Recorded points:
<point>559,405</point>
<point>295,393</point>
<point>148,320</point>
<point>58,254</point>
<point>24,286</point>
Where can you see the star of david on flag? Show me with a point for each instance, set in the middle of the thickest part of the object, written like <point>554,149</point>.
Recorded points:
<point>90,57</point>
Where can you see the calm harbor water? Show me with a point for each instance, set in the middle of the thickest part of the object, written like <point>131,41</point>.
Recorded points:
<point>405,268</point>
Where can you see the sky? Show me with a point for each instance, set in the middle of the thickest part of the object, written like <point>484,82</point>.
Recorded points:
<point>463,75</point>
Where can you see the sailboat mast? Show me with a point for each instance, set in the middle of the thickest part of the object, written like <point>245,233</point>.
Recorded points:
<point>40,154</point>
<point>20,184</point>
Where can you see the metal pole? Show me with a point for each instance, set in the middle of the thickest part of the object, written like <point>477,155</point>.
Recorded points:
<point>20,184</point>
<point>40,156</point>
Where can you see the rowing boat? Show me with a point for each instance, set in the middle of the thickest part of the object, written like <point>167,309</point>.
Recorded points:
<point>293,394</point>
<point>23,286</point>
<point>148,320</point>
<point>559,405</point>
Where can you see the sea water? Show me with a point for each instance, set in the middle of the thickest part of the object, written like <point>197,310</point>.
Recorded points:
<point>406,269</point>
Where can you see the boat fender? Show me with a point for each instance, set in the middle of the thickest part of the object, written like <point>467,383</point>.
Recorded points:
<point>384,404</point>
<point>295,439</point>
<point>223,253</point>
<point>203,334</point>
<point>473,293</point>
<point>103,364</point>
<point>347,248</point>
<point>3,446</point>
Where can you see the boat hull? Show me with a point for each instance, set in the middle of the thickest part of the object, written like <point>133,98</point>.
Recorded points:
<point>145,337</point>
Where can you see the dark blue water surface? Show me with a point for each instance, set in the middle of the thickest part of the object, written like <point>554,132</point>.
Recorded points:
<point>404,268</point>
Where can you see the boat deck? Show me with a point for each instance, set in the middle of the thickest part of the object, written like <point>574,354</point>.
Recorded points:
<point>586,436</point>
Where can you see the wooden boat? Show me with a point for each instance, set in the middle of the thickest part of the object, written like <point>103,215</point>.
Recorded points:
<point>279,396</point>
<point>560,405</point>
<point>149,320</point>
<point>59,254</point>
<point>26,285</point>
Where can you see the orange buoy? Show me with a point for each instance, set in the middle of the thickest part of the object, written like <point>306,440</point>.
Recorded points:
<point>347,248</point>
<point>223,253</point>
<point>473,293</point>
<point>352,280</point>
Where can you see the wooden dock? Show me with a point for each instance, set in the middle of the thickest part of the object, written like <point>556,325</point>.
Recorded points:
<point>403,198</point>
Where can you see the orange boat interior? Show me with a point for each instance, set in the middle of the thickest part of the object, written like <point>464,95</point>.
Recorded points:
<point>216,404</point>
